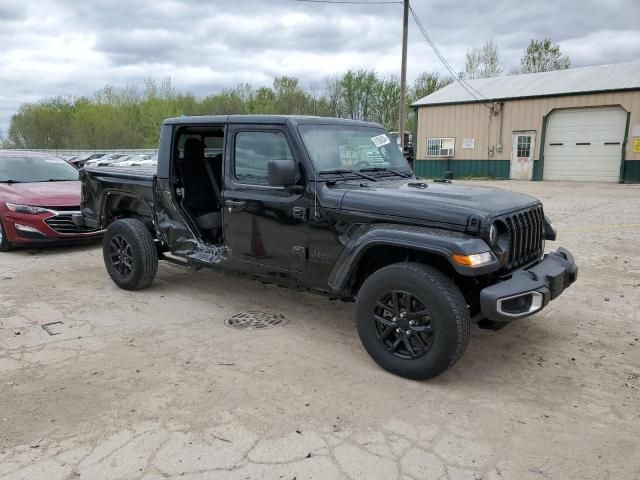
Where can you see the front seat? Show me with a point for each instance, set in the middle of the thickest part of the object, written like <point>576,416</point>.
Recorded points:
<point>199,194</point>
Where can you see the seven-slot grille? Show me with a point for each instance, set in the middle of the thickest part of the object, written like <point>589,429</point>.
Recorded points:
<point>63,223</point>
<point>526,236</point>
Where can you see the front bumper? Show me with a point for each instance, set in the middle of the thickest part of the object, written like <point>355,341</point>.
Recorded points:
<point>53,226</point>
<point>529,291</point>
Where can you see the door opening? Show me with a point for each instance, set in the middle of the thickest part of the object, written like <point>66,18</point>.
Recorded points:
<point>197,178</point>
<point>523,146</point>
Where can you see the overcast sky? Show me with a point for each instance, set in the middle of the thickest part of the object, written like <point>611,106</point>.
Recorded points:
<point>74,47</point>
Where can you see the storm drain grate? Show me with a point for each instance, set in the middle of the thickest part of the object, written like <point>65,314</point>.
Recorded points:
<point>255,320</point>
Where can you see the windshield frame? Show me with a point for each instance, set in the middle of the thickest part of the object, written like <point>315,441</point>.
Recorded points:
<point>66,173</point>
<point>374,129</point>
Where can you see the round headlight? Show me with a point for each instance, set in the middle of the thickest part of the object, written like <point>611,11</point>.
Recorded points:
<point>493,234</point>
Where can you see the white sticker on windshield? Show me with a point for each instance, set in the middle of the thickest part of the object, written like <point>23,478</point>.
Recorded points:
<point>53,160</point>
<point>381,140</point>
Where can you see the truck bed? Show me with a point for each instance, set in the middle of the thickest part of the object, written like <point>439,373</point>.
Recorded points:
<point>134,173</point>
<point>99,183</point>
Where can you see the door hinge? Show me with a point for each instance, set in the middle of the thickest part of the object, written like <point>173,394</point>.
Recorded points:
<point>299,212</point>
<point>299,252</point>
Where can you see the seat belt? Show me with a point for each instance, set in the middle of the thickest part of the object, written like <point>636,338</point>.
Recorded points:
<point>212,178</point>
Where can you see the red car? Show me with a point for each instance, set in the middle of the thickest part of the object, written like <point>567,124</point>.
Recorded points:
<point>39,196</point>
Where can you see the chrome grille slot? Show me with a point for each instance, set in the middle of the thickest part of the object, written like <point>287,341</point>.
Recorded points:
<point>63,223</point>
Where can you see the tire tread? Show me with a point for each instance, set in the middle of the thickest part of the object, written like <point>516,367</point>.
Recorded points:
<point>5,245</point>
<point>149,254</point>
<point>451,292</point>
<point>443,287</point>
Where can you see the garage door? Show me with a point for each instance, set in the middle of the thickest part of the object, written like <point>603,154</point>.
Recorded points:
<point>584,144</point>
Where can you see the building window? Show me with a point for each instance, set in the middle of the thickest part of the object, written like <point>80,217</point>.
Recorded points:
<point>524,146</point>
<point>440,147</point>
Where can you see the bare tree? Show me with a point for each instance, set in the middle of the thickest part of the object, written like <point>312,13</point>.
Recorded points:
<point>333,94</point>
<point>483,62</point>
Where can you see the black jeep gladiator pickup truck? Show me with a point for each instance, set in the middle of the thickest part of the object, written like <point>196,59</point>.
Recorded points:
<point>331,206</point>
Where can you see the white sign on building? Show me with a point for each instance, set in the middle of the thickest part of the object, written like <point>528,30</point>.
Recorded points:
<point>469,143</point>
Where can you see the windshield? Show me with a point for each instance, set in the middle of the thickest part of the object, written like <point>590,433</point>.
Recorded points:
<point>26,168</point>
<point>346,147</point>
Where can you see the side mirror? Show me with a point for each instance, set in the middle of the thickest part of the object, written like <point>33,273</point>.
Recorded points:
<point>282,173</point>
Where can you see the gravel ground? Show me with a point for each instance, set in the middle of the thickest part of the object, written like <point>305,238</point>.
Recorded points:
<point>152,384</point>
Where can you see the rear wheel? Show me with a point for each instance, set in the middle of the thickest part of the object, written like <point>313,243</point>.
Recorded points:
<point>4,241</point>
<point>412,320</point>
<point>130,254</point>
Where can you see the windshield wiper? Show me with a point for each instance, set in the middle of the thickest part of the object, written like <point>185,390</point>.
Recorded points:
<point>383,169</point>
<point>10,181</point>
<point>58,180</point>
<point>343,172</point>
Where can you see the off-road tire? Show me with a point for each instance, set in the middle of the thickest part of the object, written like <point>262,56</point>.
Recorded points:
<point>5,246</point>
<point>143,253</point>
<point>449,315</point>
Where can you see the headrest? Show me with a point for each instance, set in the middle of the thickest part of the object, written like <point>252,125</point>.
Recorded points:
<point>193,148</point>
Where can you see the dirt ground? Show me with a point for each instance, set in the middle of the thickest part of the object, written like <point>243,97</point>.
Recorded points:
<point>153,385</point>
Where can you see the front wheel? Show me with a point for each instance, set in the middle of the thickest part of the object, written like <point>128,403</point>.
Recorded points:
<point>130,254</point>
<point>4,241</point>
<point>412,320</point>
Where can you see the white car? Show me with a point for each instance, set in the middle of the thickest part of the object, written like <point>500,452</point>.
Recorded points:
<point>106,160</point>
<point>138,161</point>
<point>81,161</point>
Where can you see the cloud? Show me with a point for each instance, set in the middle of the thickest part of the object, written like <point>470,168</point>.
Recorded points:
<point>12,10</point>
<point>73,48</point>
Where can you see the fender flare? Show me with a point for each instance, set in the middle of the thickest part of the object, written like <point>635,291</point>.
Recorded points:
<point>109,194</point>
<point>425,239</point>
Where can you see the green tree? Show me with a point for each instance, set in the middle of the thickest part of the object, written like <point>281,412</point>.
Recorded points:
<point>483,62</point>
<point>543,56</point>
<point>129,117</point>
<point>290,98</point>
<point>426,83</point>
<point>385,102</point>
<point>263,101</point>
<point>228,102</point>
<point>41,125</point>
<point>333,95</point>
<point>357,90</point>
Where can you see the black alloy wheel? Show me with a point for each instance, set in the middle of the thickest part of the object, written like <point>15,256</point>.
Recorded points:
<point>130,254</point>
<point>121,256</point>
<point>403,325</point>
<point>412,319</point>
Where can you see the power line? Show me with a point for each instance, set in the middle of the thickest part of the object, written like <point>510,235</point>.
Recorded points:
<point>446,64</point>
<point>351,2</point>
<point>469,89</point>
<point>463,83</point>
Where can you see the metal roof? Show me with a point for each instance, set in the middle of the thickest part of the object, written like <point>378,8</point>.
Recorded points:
<point>623,76</point>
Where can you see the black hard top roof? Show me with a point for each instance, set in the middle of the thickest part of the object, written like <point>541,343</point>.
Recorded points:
<point>265,119</point>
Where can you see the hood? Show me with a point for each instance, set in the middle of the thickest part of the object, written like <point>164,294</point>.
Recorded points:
<point>437,202</point>
<point>42,194</point>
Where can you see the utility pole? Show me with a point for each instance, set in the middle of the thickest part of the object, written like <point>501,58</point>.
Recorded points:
<point>403,72</point>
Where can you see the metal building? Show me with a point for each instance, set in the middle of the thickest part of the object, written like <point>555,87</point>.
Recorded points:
<point>577,124</point>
